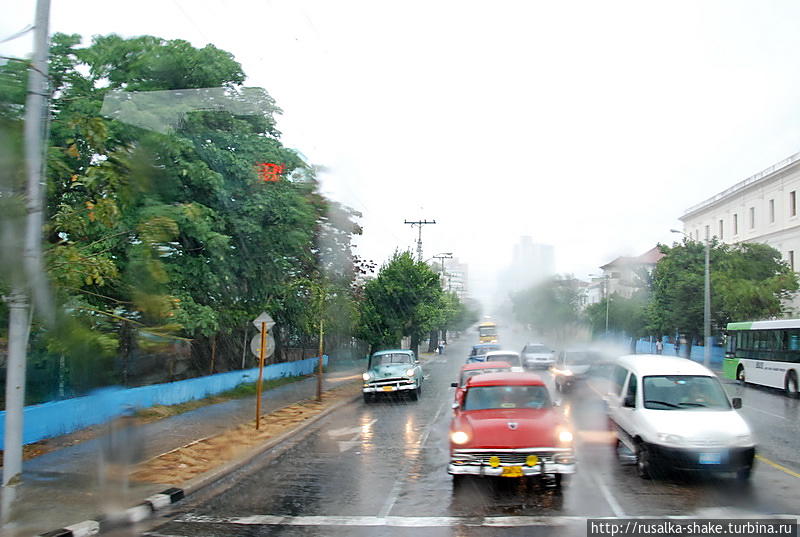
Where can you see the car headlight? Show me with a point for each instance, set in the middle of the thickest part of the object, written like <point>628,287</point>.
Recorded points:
<point>410,372</point>
<point>366,376</point>
<point>565,436</point>
<point>566,373</point>
<point>743,440</point>
<point>670,438</point>
<point>459,437</point>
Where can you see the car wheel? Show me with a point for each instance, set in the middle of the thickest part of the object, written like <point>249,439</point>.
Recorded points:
<point>458,481</point>
<point>562,480</point>
<point>368,398</point>
<point>644,464</point>
<point>744,474</point>
<point>740,375</point>
<point>413,394</point>
<point>790,385</point>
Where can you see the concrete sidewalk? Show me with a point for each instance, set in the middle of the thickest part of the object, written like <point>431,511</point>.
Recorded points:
<point>72,484</point>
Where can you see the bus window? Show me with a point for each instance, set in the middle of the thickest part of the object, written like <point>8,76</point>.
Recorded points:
<point>794,340</point>
<point>731,343</point>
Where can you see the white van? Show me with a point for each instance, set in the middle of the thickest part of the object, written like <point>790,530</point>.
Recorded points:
<point>674,414</point>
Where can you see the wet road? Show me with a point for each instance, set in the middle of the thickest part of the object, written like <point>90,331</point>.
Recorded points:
<point>380,469</point>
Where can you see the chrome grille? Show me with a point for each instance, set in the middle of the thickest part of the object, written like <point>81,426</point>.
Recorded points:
<point>506,458</point>
<point>389,381</point>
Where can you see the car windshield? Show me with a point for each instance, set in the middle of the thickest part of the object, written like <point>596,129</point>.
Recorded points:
<point>480,351</point>
<point>684,392</point>
<point>472,372</point>
<point>540,349</point>
<point>582,357</point>
<point>393,358</point>
<point>488,331</point>
<point>506,397</point>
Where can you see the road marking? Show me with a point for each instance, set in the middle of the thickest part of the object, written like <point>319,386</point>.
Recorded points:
<point>750,407</point>
<point>398,483</point>
<point>610,500</point>
<point>777,466</point>
<point>422,521</point>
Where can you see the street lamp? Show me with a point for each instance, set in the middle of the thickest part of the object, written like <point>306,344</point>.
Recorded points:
<point>605,277</point>
<point>706,301</point>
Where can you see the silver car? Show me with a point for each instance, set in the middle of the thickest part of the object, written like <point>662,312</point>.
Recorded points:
<point>537,355</point>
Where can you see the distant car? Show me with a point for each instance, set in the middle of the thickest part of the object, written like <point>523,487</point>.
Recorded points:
<point>470,370</point>
<point>537,355</point>
<point>673,413</point>
<point>391,371</point>
<point>512,357</point>
<point>572,366</point>
<point>507,426</point>
<point>478,352</point>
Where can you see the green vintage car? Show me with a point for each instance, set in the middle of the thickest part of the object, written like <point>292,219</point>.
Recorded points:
<point>392,371</point>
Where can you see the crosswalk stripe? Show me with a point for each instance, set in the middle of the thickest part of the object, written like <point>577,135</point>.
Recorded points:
<point>421,521</point>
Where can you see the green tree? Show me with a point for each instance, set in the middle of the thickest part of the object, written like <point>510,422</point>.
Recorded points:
<point>625,315</point>
<point>170,234</point>
<point>551,307</point>
<point>403,300</point>
<point>748,281</point>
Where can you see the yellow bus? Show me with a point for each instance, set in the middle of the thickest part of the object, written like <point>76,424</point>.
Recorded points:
<point>487,332</point>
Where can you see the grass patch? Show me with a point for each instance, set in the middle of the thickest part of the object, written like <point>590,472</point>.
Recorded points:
<point>248,389</point>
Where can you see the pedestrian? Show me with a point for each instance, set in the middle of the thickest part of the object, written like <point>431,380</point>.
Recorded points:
<point>659,346</point>
<point>677,346</point>
<point>441,347</point>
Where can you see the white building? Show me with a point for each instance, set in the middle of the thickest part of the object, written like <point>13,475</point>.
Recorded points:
<point>531,263</point>
<point>762,208</point>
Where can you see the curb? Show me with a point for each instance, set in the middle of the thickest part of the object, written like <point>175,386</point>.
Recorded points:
<point>157,502</point>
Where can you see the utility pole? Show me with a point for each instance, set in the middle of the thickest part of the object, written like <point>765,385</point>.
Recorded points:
<point>36,109</point>
<point>442,257</point>
<point>419,224</point>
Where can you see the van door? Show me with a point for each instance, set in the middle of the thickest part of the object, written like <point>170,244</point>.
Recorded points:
<point>628,401</point>
<point>614,395</point>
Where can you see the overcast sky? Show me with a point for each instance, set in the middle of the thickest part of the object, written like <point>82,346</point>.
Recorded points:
<point>590,125</point>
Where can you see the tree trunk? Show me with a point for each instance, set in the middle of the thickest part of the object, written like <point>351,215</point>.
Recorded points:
<point>213,353</point>
<point>415,344</point>
<point>433,342</point>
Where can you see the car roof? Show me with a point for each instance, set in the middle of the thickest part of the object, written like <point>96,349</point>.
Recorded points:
<point>505,379</point>
<point>484,365</point>
<point>658,364</point>
<point>502,353</point>
<point>484,345</point>
<point>532,343</point>
<point>393,351</point>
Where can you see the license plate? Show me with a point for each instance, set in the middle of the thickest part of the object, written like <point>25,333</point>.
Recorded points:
<point>512,471</point>
<point>388,388</point>
<point>710,458</point>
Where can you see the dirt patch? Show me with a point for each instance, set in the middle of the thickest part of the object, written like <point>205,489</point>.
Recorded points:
<point>182,464</point>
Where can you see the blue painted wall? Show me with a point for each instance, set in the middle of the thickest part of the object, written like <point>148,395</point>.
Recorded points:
<point>717,353</point>
<point>62,417</point>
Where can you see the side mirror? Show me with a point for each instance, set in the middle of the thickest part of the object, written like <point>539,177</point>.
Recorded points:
<point>736,402</point>
<point>454,384</point>
<point>455,406</point>
<point>556,403</point>
<point>416,362</point>
<point>630,401</point>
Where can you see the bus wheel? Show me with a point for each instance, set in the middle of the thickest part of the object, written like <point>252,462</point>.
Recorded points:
<point>790,385</point>
<point>740,375</point>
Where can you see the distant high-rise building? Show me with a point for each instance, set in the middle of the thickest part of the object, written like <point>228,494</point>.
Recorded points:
<point>531,263</point>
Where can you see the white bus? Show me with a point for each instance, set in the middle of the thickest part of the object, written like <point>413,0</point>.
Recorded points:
<point>765,353</point>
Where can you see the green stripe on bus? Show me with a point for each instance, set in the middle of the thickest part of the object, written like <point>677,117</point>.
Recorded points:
<point>740,326</point>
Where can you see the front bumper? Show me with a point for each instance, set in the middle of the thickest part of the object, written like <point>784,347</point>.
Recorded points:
<point>714,459</point>
<point>550,461</point>
<point>389,387</point>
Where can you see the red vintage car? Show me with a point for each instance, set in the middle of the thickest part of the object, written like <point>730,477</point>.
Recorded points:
<point>506,425</point>
<point>476,368</point>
